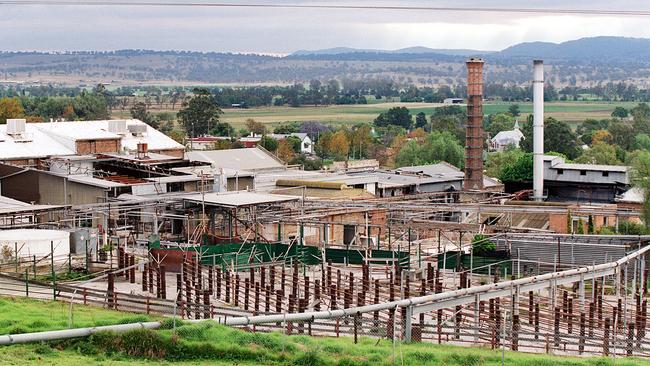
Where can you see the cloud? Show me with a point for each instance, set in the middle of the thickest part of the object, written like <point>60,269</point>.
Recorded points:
<point>286,30</point>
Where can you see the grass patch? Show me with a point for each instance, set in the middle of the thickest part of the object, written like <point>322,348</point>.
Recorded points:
<point>573,112</point>
<point>21,315</point>
<point>210,343</point>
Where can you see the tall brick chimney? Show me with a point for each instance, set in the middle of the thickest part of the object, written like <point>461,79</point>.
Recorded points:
<point>474,128</point>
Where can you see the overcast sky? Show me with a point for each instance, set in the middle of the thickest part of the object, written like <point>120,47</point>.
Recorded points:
<point>56,28</point>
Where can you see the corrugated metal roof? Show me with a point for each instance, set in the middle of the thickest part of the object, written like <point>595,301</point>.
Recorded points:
<point>32,144</point>
<point>68,133</point>
<point>174,179</point>
<point>437,169</point>
<point>6,202</point>
<point>239,159</point>
<point>210,170</point>
<point>87,179</point>
<point>593,167</point>
<point>632,195</point>
<point>238,199</point>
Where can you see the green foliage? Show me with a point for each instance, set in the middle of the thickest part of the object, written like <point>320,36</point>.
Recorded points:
<point>590,225</point>
<point>438,146</point>
<point>295,143</point>
<point>210,343</point>
<point>449,119</point>
<point>624,228</point>
<point>581,227</point>
<point>499,122</point>
<point>520,170</point>
<point>642,142</point>
<point>90,106</point>
<point>599,153</point>
<point>286,128</point>
<point>623,133</point>
<point>223,129</point>
<point>557,134</point>
<point>307,162</point>
<point>410,155</point>
<point>482,245</point>
<point>269,143</point>
<point>397,116</point>
<point>200,114</point>
<point>139,111</point>
<point>514,110</point>
<point>620,112</point>
<point>641,179</point>
<point>420,120</point>
<point>496,161</point>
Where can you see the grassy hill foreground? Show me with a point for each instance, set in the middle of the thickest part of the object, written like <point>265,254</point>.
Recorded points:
<point>210,344</point>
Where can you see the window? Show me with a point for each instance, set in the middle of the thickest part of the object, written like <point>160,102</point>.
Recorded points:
<point>583,172</point>
<point>605,174</point>
<point>560,171</point>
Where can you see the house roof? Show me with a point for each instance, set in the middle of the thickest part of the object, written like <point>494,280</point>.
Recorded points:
<point>508,137</point>
<point>632,195</point>
<point>239,159</point>
<point>32,144</point>
<point>68,133</point>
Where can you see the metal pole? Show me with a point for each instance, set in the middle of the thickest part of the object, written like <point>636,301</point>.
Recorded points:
<point>53,273</point>
<point>503,338</point>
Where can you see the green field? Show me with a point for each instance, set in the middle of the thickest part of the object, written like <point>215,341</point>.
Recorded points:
<point>208,343</point>
<point>573,112</point>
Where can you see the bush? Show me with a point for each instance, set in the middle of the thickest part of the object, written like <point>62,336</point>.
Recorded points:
<point>482,245</point>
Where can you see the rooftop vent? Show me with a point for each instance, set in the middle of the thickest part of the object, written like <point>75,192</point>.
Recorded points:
<point>117,127</point>
<point>138,129</point>
<point>16,127</point>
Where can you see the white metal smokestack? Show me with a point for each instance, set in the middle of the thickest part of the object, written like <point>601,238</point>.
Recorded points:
<point>538,130</point>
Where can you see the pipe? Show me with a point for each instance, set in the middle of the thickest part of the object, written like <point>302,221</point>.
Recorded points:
<point>428,298</point>
<point>72,333</point>
<point>262,319</point>
<point>538,130</point>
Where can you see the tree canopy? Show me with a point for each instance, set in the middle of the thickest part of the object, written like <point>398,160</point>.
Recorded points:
<point>557,136</point>
<point>437,147</point>
<point>199,114</point>
<point>397,116</point>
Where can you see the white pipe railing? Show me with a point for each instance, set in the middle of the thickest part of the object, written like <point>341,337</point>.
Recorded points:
<point>328,314</point>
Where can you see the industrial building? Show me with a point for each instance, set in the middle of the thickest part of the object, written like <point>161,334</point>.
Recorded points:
<point>239,236</point>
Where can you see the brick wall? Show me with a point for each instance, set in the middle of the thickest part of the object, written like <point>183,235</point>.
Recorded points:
<point>177,153</point>
<point>98,146</point>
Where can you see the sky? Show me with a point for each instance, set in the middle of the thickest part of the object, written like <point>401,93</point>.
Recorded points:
<point>282,31</point>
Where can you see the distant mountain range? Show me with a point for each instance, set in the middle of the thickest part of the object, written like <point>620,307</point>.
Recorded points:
<point>408,50</point>
<point>586,61</point>
<point>593,49</point>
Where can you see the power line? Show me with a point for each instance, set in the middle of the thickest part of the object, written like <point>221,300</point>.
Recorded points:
<point>331,7</point>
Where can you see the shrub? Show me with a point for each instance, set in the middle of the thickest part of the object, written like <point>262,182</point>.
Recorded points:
<point>482,245</point>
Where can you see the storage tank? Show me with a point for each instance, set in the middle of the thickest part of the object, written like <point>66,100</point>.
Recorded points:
<point>32,242</point>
